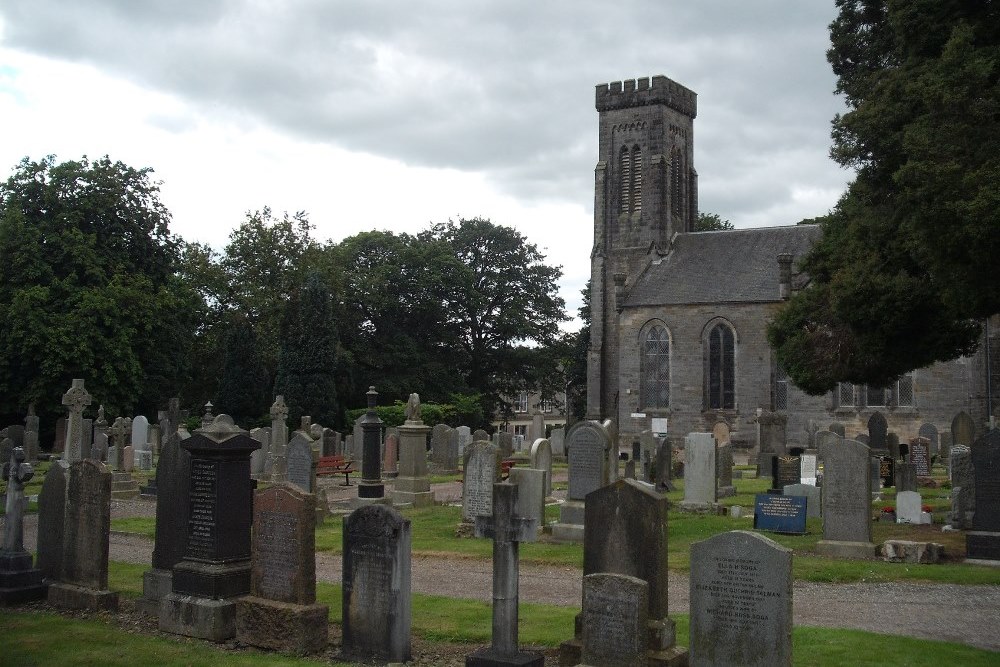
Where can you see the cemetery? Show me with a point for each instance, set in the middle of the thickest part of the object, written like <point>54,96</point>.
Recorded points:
<point>474,565</point>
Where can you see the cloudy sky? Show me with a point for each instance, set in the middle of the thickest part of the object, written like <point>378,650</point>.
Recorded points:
<point>392,115</point>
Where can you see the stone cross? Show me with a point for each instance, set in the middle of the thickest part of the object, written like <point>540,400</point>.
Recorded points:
<point>173,417</point>
<point>16,473</point>
<point>279,439</point>
<point>118,431</point>
<point>76,399</point>
<point>507,531</point>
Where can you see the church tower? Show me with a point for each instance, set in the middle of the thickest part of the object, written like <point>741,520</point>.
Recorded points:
<point>645,191</point>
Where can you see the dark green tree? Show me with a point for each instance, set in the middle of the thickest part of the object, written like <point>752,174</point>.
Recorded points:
<point>308,361</point>
<point>578,344</point>
<point>89,288</point>
<point>907,262</point>
<point>711,222</point>
<point>244,391</point>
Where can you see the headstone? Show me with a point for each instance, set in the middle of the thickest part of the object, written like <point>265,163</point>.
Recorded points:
<point>664,463</point>
<point>807,470</point>
<point>259,457</point>
<point>173,503</point>
<point>507,530</point>
<point>906,477</point>
<point>699,473</point>
<point>614,620</point>
<point>826,439</point>
<point>811,493</point>
<point>464,439</point>
<point>128,458</point>
<point>963,429</point>
<point>983,541</point>
<point>83,577</point>
<point>281,611</point>
<point>75,400</point>
<point>31,434</point>
<point>541,459</point>
<point>963,487</point>
<point>440,437</point>
<point>506,444</point>
<point>626,534</point>
<point>876,464</point>
<point>99,446</point>
<point>892,444</point>
<point>558,440</point>
<point>331,443</point>
<point>358,440</point>
<point>140,434</point>
<point>724,469</point>
<point>944,444</point>
<point>371,463</point>
<point>887,471</point>
<point>279,440</point>
<point>59,444</point>
<point>480,436</point>
<point>391,454</point>
<point>481,472</point>
<point>847,530</point>
<point>376,585</point>
<point>537,427</point>
<point>778,513</point>
<point>19,580</point>
<point>741,601</point>
<point>51,519</point>
<point>772,427</point>
<point>877,429</point>
<point>721,432</point>
<point>530,484</point>
<point>588,446</point>
<point>301,462</point>
<point>413,486</point>
<point>930,433</point>
<point>839,429</point>
<point>863,438</point>
<point>920,456</point>
<point>908,507</point>
<point>785,470</point>
<point>215,570</point>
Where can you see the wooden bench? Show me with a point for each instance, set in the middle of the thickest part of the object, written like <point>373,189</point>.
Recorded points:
<point>335,465</point>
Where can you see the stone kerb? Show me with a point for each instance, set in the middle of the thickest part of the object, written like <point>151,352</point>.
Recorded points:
<point>376,585</point>
<point>741,601</point>
<point>281,611</point>
<point>847,530</point>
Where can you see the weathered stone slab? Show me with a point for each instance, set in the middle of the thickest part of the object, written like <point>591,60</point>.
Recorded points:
<point>963,487</point>
<point>614,620</point>
<point>878,427</point>
<point>301,462</point>
<point>812,494</point>
<point>481,471</point>
<point>963,429</point>
<point>51,520</point>
<point>541,459</point>
<point>530,497</point>
<point>699,471</point>
<point>847,498</point>
<point>983,541</point>
<point>588,444</point>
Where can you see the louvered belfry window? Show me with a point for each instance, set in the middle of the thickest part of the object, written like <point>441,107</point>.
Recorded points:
<point>625,167</point>
<point>636,179</point>
<point>655,389</point>
<point>721,368</point>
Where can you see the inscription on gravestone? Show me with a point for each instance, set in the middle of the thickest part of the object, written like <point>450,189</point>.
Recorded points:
<point>277,546</point>
<point>920,458</point>
<point>586,462</point>
<point>201,525</point>
<point>614,619</point>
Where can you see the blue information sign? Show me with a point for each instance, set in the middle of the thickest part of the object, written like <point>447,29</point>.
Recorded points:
<point>780,514</point>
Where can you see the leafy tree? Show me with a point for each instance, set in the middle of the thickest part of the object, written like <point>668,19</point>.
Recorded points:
<point>244,391</point>
<point>906,264</point>
<point>307,365</point>
<point>711,222</point>
<point>578,344</point>
<point>500,295</point>
<point>89,288</point>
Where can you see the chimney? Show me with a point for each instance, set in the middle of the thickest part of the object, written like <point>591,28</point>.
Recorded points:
<point>785,275</point>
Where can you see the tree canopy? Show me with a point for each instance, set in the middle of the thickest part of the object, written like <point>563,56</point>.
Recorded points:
<point>711,222</point>
<point>906,266</point>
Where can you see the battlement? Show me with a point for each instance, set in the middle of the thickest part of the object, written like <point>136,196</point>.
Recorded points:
<point>647,91</point>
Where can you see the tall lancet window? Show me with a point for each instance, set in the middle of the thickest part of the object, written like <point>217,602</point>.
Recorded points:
<point>676,181</point>
<point>721,368</point>
<point>636,179</point>
<point>654,392</point>
<point>625,167</point>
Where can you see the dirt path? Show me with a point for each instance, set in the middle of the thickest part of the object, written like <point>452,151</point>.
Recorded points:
<point>965,614</point>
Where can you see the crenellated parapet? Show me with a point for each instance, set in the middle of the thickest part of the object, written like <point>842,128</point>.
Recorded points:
<point>647,91</point>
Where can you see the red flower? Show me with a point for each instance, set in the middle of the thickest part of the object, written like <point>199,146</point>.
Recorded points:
<point>925,508</point>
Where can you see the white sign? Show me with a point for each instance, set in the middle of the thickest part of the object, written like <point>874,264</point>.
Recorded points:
<point>659,426</point>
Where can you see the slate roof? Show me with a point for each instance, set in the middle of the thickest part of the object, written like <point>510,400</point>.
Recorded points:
<point>740,265</point>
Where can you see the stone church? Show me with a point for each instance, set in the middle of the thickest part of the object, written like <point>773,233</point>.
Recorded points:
<point>679,317</point>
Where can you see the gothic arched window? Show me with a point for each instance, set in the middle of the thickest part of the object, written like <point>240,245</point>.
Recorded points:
<point>654,391</point>
<point>721,383</point>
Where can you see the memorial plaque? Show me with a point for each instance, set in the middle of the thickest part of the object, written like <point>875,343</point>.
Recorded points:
<point>780,514</point>
<point>887,471</point>
<point>614,620</point>
<point>588,445</point>
<point>482,470</point>
<point>787,470</point>
<point>920,457</point>
<point>741,601</point>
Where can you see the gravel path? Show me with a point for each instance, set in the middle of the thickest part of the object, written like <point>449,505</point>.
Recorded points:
<point>964,614</point>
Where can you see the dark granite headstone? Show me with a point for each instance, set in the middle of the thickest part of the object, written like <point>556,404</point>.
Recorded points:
<point>780,514</point>
<point>786,470</point>
<point>983,541</point>
<point>887,471</point>
<point>920,456</point>
<point>51,519</point>
<point>906,477</point>
<point>741,601</point>
<point>963,486</point>
<point>376,585</point>
<point>877,429</point>
<point>664,472</point>
<point>281,611</point>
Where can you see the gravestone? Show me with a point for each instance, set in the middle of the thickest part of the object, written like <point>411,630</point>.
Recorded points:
<point>541,459</point>
<point>826,439</point>
<point>259,457</point>
<point>371,486</point>
<point>481,470</point>
<point>51,520</point>
<point>778,513</point>
<point>614,620</point>
<point>877,429</point>
<point>847,530</point>
<point>588,445</point>
<point>173,503</point>
<point>963,487</point>
<point>31,434</point>
<point>331,443</point>
<point>507,529</point>
<point>930,433</point>
<point>558,440</point>
<point>440,446</point>
<point>876,466</point>
<point>626,534</point>
<point>479,435</point>
<point>391,455</point>
<point>839,429</point>
<point>908,507</point>
<point>376,585</point>
<point>215,570</point>
<point>279,440</point>
<point>811,493</point>
<point>59,443</point>
<point>358,440</point>
<point>281,613</point>
<point>19,580</point>
<point>75,400</point>
<point>83,577</point>
<point>464,439</point>
<point>505,442</point>
<point>721,432</point>
<point>128,458</point>
<point>944,444</point>
<point>807,471</point>
<point>412,486</point>
<point>741,601</point>
<point>983,541</point>
<point>140,434</point>
<point>664,463</point>
<point>785,470</point>
<point>772,429</point>
<point>724,469</point>
<point>537,427</point>
<point>99,446</point>
<point>122,484</point>
<point>301,462</point>
<point>920,456</point>
<point>906,477</point>
<point>963,429</point>
<point>530,484</point>
<point>699,473</point>
<point>863,438</point>
<point>887,471</point>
